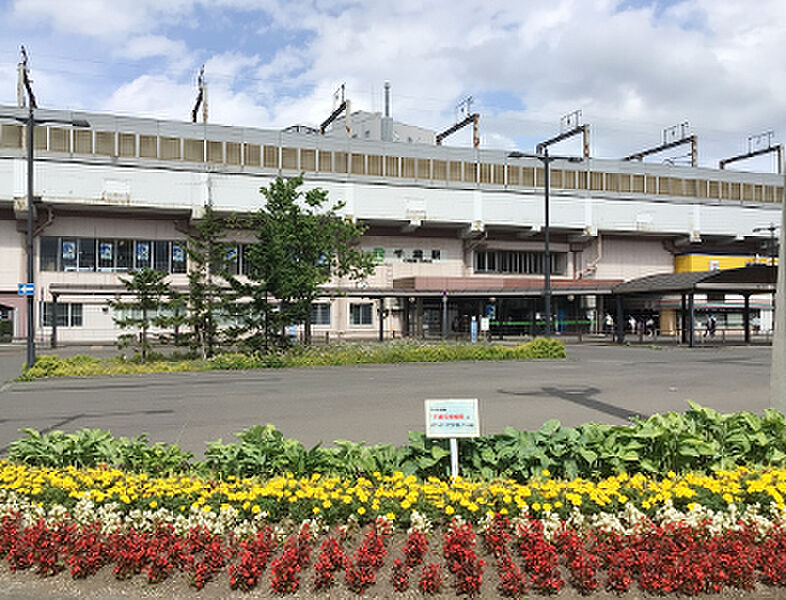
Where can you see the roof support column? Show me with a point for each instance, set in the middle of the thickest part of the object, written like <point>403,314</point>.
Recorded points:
<point>746,317</point>
<point>54,320</point>
<point>620,320</point>
<point>683,320</point>
<point>381,313</point>
<point>691,320</point>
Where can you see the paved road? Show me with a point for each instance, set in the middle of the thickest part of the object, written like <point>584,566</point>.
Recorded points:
<point>381,403</point>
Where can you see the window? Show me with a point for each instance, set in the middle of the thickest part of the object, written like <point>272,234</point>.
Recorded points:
<point>68,255</point>
<point>87,254</point>
<point>360,314</point>
<point>232,260</point>
<point>320,314</point>
<point>142,255</point>
<point>125,255</point>
<point>106,255</point>
<point>48,256</point>
<point>514,261</point>
<point>178,257</point>
<point>68,314</point>
<point>161,256</point>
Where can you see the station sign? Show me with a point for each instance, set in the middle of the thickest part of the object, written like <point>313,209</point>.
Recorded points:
<point>25,289</point>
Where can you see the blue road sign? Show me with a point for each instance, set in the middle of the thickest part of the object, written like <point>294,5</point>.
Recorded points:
<point>26,289</point>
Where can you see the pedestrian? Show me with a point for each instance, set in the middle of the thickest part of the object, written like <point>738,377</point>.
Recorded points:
<point>632,324</point>
<point>609,323</point>
<point>649,326</point>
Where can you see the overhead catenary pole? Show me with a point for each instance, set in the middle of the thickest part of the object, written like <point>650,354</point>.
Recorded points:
<point>30,122</point>
<point>777,369</point>
<point>29,238</point>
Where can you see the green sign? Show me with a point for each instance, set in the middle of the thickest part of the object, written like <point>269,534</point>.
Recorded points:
<point>379,254</point>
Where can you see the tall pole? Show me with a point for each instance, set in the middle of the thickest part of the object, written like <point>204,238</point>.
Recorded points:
<point>777,369</point>
<point>31,296</point>
<point>546,250</point>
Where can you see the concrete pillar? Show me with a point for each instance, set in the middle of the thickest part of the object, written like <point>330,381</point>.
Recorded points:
<point>54,320</point>
<point>620,321</point>
<point>683,320</point>
<point>746,317</point>
<point>419,317</point>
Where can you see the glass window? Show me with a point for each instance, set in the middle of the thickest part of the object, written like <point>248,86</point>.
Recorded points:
<point>76,315</point>
<point>161,256</point>
<point>245,253</point>
<point>360,314</point>
<point>142,254</point>
<point>48,257</point>
<point>68,255</point>
<point>320,314</point>
<point>232,260</point>
<point>68,314</point>
<point>87,254</point>
<point>178,257</point>
<point>106,255</point>
<point>125,255</point>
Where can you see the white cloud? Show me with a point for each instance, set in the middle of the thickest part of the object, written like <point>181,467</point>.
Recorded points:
<point>105,19</point>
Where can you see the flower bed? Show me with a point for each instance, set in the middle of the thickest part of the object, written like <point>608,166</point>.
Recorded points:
<point>683,534</point>
<point>332,355</point>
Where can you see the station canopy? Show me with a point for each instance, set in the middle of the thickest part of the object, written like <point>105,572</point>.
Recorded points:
<point>753,279</point>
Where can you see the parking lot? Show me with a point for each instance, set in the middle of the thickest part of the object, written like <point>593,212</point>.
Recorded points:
<point>381,403</point>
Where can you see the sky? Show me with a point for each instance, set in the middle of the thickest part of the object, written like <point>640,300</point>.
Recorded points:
<point>632,67</point>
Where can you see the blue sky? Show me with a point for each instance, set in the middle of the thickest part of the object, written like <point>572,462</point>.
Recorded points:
<point>633,67</point>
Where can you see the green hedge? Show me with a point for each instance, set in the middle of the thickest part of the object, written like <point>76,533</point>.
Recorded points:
<point>698,440</point>
<point>337,354</point>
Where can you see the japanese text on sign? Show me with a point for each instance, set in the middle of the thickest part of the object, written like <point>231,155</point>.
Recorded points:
<point>453,418</point>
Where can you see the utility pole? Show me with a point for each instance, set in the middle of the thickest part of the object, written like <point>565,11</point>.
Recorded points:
<point>30,122</point>
<point>201,98</point>
<point>777,370</point>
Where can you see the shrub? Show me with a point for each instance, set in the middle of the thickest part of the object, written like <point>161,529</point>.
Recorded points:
<point>298,356</point>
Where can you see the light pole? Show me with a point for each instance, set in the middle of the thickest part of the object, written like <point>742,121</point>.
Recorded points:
<point>30,121</point>
<point>546,159</point>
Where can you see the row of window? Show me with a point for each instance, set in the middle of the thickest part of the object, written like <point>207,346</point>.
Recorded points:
<point>108,143</point>
<point>110,255</point>
<point>519,262</point>
<point>70,314</point>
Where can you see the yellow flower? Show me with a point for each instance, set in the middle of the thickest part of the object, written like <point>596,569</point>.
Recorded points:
<point>315,510</point>
<point>361,510</point>
<point>255,509</point>
<point>153,504</point>
<point>449,510</point>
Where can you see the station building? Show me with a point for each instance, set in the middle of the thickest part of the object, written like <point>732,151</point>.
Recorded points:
<point>456,231</point>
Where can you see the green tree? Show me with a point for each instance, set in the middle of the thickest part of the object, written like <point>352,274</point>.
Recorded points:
<point>209,296</point>
<point>150,298</point>
<point>302,242</point>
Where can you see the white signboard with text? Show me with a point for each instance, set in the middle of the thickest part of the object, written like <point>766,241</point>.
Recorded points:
<point>454,418</point>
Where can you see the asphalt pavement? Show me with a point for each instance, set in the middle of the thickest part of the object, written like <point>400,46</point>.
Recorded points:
<point>381,403</point>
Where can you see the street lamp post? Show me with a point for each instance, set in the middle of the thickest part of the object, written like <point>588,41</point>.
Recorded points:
<point>546,159</point>
<point>30,121</point>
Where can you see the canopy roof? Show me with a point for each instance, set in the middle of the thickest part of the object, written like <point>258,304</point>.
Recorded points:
<point>752,279</point>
